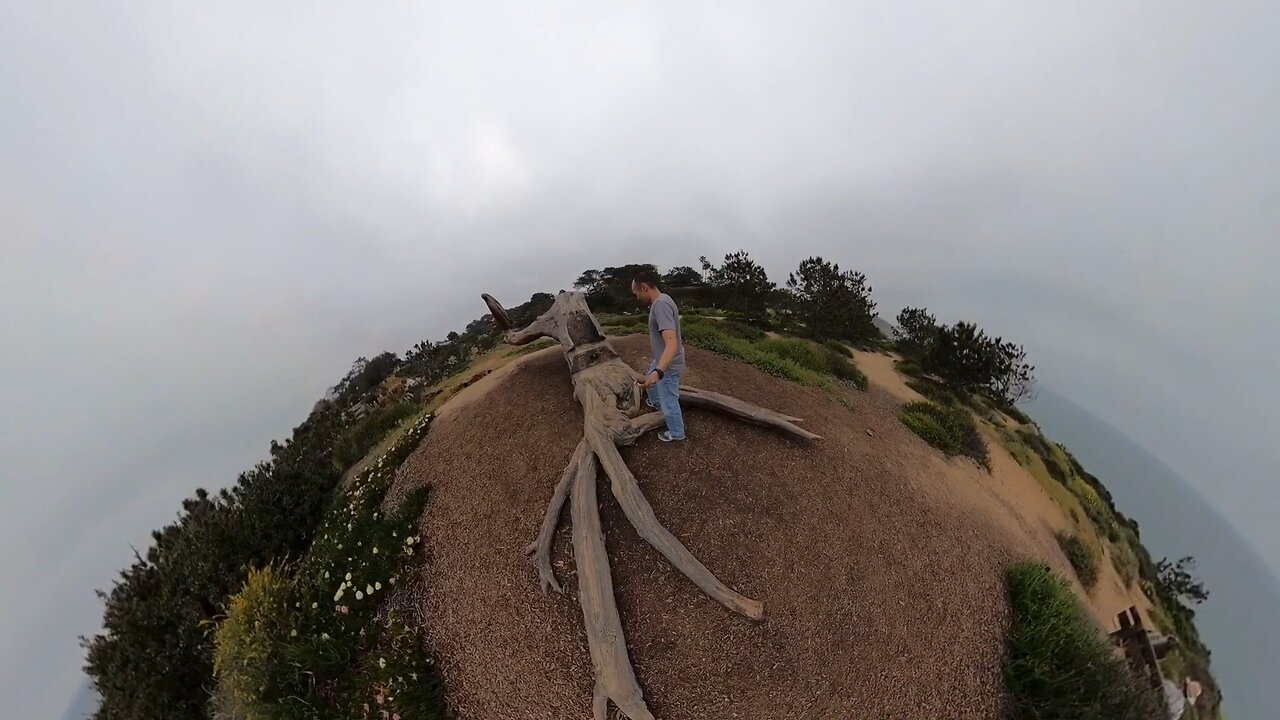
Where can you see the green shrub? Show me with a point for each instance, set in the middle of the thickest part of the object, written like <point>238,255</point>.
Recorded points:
<point>841,366</point>
<point>741,330</point>
<point>910,368</point>
<point>927,426</point>
<point>356,442</point>
<point>620,319</point>
<point>950,429</point>
<point>934,392</point>
<point>248,657</point>
<point>1057,665</point>
<point>1082,558</point>
<point>839,347</point>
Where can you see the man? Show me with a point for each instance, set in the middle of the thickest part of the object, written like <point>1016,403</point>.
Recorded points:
<point>667,346</point>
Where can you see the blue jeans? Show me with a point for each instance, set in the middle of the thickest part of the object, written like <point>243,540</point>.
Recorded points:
<point>667,393</point>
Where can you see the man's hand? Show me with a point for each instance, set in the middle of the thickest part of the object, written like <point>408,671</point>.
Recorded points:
<point>650,380</point>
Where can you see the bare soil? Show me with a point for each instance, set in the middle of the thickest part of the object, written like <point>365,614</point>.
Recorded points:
<point>880,562</point>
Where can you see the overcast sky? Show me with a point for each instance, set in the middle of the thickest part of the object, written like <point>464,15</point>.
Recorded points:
<point>208,210</point>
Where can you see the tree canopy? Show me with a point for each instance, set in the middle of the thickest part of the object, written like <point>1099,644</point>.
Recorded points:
<point>964,357</point>
<point>832,303</point>
<point>741,284</point>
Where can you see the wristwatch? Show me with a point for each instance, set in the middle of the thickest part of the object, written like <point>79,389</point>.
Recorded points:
<point>660,373</point>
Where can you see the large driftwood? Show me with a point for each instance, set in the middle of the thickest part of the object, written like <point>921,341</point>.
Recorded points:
<point>608,391</point>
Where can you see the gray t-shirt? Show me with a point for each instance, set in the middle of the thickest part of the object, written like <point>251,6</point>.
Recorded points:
<point>663,315</point>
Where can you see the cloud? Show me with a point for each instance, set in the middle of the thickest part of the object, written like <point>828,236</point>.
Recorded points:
<point>207,213</point>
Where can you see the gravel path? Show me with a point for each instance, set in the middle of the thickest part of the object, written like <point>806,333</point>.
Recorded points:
<point>883,588</point>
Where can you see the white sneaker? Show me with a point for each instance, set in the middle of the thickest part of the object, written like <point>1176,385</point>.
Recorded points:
<point>665,436</point>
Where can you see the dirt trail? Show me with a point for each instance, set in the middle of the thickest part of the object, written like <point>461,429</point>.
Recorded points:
<point>883,584</point>
<point>879,369</point>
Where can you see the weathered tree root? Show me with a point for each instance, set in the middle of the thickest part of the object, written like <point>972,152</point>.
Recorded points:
<point>606,388</point>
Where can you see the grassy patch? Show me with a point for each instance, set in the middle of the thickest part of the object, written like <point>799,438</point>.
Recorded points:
<point>1125,563</point>
<point>1013,412</point>
<point>949,428</point>
<point>1057,665</point>
<point>721,340</point>
<point>1040,446</point>
<point>1083,558</point>
<point>319,638</point>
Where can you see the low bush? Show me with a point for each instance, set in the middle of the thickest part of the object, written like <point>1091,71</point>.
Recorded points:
<point>839,347</point>
<point>1013,412</point>
<point>843,367</point>
<point>741,330</point>
<point>356,441</point>
<point>247,658</point>
<point>910,368</point>
<point>1082,558</point>
<point>934,392</point>
<point>1057,665</point>
<point>949,428</point>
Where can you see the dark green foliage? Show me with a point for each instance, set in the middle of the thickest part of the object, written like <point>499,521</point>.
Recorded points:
<point>949,428</point>
<point>839,347</point>
<point>154,657</point>
<point>965,358</point>
<point>741,330</point>
<point>155,653</point>
<point>910,368</point>
<point>1057,665</point>
<point>831,303</point>
<point>357,440</point>
<point>1082,558</point>
<point>739,284</point>
<point>367,374</point>
<point>934,392</point>
<point>914,332</point>
<point>681,276</point>
<point>609,290</point>
<point>842,366</point>
<point>1177,579</point>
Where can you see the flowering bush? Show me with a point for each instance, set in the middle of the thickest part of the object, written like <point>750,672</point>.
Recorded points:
<point>326,643</point>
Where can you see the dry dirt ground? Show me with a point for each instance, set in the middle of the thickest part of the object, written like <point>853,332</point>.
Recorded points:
<point>880,562</point>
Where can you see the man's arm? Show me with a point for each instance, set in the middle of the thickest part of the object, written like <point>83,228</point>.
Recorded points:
<point>669,351</point>
<point>668,354</point>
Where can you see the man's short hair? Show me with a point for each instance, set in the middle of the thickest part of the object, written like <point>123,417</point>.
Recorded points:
<point>646,277</point>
